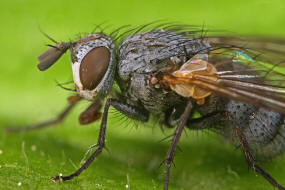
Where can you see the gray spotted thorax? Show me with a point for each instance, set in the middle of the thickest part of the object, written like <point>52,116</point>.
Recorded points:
<point>143,56</point>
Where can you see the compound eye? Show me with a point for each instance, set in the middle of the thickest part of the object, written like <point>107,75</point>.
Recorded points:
<point>93,67</point>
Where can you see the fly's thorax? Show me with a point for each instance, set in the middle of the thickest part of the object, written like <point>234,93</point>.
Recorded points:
<point>144,56</point>
<point>153,51</point>
<point>93,65</point>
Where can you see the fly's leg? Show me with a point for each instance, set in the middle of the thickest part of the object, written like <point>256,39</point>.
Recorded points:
<point>176,136</point>
<point>100,146</point>
<point>251,160</point>
<point>214,119</point>
<point>91,114</point>
<point>73,100</point>
<point>211,120</point>
<point>130,111</point>
<point>126,109</point>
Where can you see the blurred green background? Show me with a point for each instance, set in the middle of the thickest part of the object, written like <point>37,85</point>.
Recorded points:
<point>28,96</point>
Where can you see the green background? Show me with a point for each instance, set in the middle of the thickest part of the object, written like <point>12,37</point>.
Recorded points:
<point>28,96</point>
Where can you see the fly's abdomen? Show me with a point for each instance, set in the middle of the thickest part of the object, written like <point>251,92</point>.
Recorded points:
<point>264,129</point>
<point>268,132</point>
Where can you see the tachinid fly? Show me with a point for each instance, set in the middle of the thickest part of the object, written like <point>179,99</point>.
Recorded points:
<point>169,71</point>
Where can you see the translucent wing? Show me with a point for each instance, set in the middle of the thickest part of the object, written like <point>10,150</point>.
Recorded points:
<point>249,69</point>
<point>262,44</point>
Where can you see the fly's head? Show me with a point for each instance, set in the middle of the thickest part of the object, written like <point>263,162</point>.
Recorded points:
<point>93,63</point>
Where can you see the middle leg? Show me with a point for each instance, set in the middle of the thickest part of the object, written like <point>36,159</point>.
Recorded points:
<point>176,136</point>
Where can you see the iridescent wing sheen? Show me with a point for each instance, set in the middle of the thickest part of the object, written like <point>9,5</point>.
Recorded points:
<point>259,60</point>
<point>249,69</point>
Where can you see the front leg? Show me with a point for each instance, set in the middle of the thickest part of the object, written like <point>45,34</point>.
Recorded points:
<point>91,114</point>
<point>128,110</point>
<point>176,136</point>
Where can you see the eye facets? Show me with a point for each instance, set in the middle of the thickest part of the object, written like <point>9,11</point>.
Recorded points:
<point>93,67</point>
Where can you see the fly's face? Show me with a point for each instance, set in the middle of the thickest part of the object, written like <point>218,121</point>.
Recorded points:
<point>93,63</point>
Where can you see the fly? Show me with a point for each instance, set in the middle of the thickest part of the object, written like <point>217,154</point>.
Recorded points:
<point>169,72</point>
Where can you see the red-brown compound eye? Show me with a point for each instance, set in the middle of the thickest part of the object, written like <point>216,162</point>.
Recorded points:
<point>93,67</point>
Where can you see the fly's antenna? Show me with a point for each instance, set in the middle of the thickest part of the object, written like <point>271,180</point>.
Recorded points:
<point>50,56</point>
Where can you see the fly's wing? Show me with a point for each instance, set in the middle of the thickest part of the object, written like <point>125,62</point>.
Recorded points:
<point>255,59</point>
<point>262,44</point>
<point>250,70</point>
